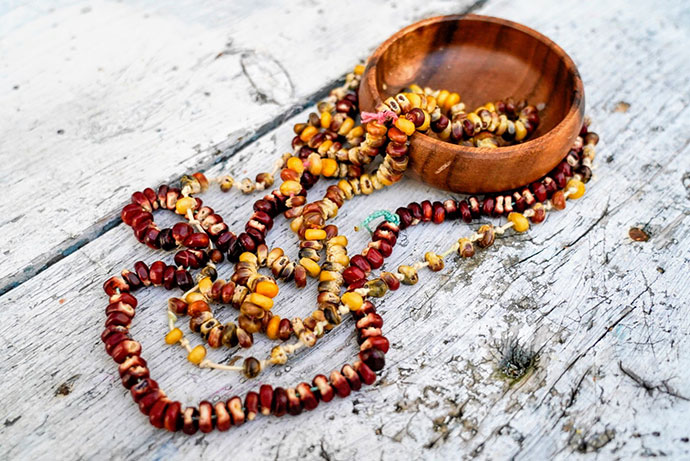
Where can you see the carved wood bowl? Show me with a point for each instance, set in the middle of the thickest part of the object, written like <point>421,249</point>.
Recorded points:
<point>483,59</point>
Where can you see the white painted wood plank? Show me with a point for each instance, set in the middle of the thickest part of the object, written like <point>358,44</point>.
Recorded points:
<point>606,315</point>
<point>99,97</point>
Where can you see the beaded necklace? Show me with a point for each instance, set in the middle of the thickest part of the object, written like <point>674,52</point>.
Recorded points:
<point>333,145</point>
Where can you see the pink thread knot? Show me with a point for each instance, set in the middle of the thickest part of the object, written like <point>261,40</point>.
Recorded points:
<point>381,117</point>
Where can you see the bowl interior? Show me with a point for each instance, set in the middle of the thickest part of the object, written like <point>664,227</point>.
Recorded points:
<point>483,60</point>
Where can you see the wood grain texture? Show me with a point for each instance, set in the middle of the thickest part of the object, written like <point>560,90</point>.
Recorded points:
<point>604,316</point>
<point>101,97</point>
<point>484,59</point>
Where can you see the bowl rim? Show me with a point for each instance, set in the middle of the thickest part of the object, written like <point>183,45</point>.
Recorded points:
<point>575,110</point>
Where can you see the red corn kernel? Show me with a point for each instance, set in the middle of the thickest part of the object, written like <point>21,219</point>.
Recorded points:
<point>374,358</point>
<point>280,401</point>
<point>451,208</point>
<point>236,411</point>
<point>148,400</point>
<point>427,211</point>
<point>173,417</point>
<point>205,417</point>
<point>142,271</point>
<point>340,384</point>
<point>190,420</point>
<point>558,200</point>
<point>488,206</point>
<point>197,240</point>
<point>113,284</point>
<point>251,404</point>
<point>416,212</point>
<point>374,257</point>
<point>307,397</point>
<point>133,376</point>
<point>539,213</point>
<point>365,373</point>
<point>142,388</point>
<point>156,273</point>
<point>405,217</point>
<point>121,308</point>
<point>223,420</point>
<point>371,320</point>
<point>364,333</point>
<point>352,377</point>
<point>294,403</point>
<point>113,329</point>
<point>539,191</point>
<point>353,274</point>
<point>129,362</point>
<point>360,262</point>
<point>325,389</point>
<point>265,398</point>
<point>124,349</point>
<point>438,213</point>
<point>125,298</point>
<point>113,340</point>
<point>118,319</point>
<point>475,208</point>
<point>378,342</point>
<point>157,413</point>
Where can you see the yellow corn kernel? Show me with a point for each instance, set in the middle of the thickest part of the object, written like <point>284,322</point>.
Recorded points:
<point>359,69</point>
<point>490,107</point>
<point>340,240</point>
<point>450,101</point>
<point>441,98</point>
<point>315,164</point>
<point>416,88</point>
<point>262,301</point>
<point>326,276</point>
<point>295,164</point>
<point>315,234</point>
<point>295,224</point>
<point>290,187</point>
<point>273,327</point>
<point>308,133</point>
<point>267,288</point>
<point>430,103</point>
<point>341,259</point>
<point>311,266</point>
<point>194,296</point>
<point>575,189</point>
<point>356,132</point>
<point>329,167</point>
<point>197,354</point>
<point>405,126</point>
<point>415,99</point>
<point>345,186</point>
<point>205,286</point>
<point>324,146</point>
<point>173,336</point>
<point>520,131</point>
<point>326,119</point>
<point>248,257</point>
<point>426,123</point>
<point>347,125</point>
<point>184,204</point>
<point>520,223</point>
<point>352,300</point>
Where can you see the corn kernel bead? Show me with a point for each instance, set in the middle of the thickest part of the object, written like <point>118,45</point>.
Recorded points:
<point>405,126</point>
<point>193,296</point>
<point>248,257</point>
<point>352,300</point>
<point>409,273</point>
<point>465,248</point>
<point>290,187</point>
<point>450,101</point>
<point>272,327</point>
<point>197,354</point>
<point>173,336</point>
<point>308,132</point>
<point>267,288</point>
<point>260,300</point>
<point>205,285</point>
<point>315,234</point>
<point>326,119</point>
<point>576,189</point>
<point>435,261</point>
<point>226,183</point>
<point>329,167</point>
<point>312,267</point>
<point>315,164</point>
<point>377,288</point>
<point>295,164</point>
<point>184,204</point>
<point>520,223</point>
<point>359,69</point>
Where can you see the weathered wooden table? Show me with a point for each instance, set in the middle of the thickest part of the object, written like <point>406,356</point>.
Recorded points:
<point>101,98</point>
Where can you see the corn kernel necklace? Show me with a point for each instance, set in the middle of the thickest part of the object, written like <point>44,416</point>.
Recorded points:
<point>339,148</point>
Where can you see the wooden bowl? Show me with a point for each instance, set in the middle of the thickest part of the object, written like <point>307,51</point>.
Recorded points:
<point>484,59</point>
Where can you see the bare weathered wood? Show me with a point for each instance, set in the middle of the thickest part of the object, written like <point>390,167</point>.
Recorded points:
<point>101,97</point>
<point>595,321</point>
